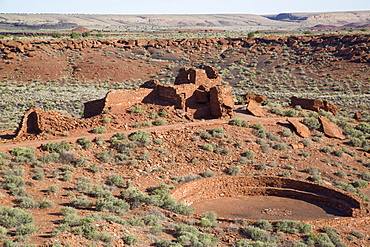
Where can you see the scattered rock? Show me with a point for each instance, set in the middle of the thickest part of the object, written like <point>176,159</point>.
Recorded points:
<point>297,145</point>
<point>255,109</point>
<point>301,129</point>
<point>357,116</point>
<point>314,104</point>
<point>256,97</point>
<point>331,129</point>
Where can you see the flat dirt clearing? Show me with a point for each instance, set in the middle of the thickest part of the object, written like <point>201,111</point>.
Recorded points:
<point>267,208</point>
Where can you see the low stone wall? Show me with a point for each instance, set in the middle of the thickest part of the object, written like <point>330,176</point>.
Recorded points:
<point>210,188</point>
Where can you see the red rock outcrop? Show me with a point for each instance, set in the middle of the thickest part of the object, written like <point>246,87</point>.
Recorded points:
<point>357,116</point>
<point>300,128</point>
<point>256,97</point>
<point>255,109</point>
<point>331,129</point>
<point>314,104</point>
<point>198,92</point>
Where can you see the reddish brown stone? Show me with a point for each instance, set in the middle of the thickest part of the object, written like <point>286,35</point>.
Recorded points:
<point>254,108</point>
<point>199,92</point>
<point>297,145</point>
<point>300,128</point>
<point>256,97</point>
<point>357,116</point>
<point>331,129</point>
<point>314,104</point>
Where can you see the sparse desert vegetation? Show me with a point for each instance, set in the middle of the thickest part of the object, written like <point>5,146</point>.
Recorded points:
<point>114,179</point>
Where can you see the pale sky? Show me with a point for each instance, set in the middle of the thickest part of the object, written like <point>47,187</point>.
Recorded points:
<point>180,6</point>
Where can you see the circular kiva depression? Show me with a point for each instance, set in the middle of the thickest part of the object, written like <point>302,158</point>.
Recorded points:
<point>269,197</point>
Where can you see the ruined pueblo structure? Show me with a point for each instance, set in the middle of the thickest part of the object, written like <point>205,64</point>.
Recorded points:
<point>198,93</point>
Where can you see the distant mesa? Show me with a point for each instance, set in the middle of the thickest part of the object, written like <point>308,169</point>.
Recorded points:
<point>286,17</point>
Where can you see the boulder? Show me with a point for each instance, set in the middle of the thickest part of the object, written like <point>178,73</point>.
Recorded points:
<point>255,109</point>
<point>256,97</point>
<point>357,116</point>
<point>297,145</point>
<point>314,104</point>
<point>331,129</point>
<point>301,129</point>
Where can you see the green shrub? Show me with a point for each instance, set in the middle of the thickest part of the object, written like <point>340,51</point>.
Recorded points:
<point>26,229</point>
<point>112,204</point>
<point>313,170</point>
<point>74,35</point>
<point>239,122</point>
<point>341,174</point>
<point>99,130</point>
<point>338,152</point>
<point>160,121</point>
<point>140,136</point>
<point>255,233</point>
<point>44,203</point>
<point>68,210</point>
<point>130,240</point>
<point>365,175</point>
<point>290,113</point>
<point>146,123</point>
<point>261,166</point>
<point>116,180</point>
<point>207,147</point>
<point>234,170</point>
<point>163,113</point>
<point>48,158</point>
<point>137,109</point>
<point>53,189</point>
<point>106,120</point>
<point>249,154</point>
<point>3,232</point>
<point>324,240</point>
<point>286,132</point>
<point>258,126</point>
<point>263,224</point>
<point>14,217</point>
<point>307,142</point>
<point>289,226</point>
<point>67,177</point>
<point>23,155</point>
<point>81,202</point>
<point>56,35</point>
<point>312,123</point>
<point>84,143</point>
<point>360,184</point>
<point>357,234</point>
<point>326,149</point>
<point>280,146</point>
<point>306,228</point>
<point>105,156</point>
<point>26,202</point>
<point>81,162</point>
<point>208,173</point>
<point>205,222</point>
<point>56,147</point>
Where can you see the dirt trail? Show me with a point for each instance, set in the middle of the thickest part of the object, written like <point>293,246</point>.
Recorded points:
<point>238,113</point>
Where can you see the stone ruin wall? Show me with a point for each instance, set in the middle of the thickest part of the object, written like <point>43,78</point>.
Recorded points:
<point>35,121</point>
<point>197,101</point>
<point>198,92</point>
